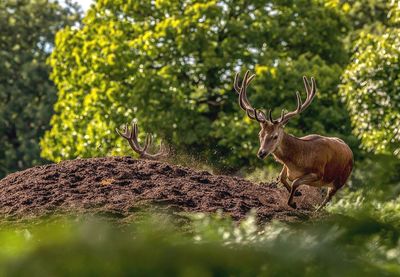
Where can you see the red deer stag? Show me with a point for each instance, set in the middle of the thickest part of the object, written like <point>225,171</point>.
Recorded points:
<point>131,135</point>
<point>312,160</point>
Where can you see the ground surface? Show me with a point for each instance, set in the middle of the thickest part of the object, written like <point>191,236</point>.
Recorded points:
<point>118,186</point>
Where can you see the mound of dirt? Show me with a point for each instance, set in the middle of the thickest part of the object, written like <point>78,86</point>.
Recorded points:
<point>119,186</point>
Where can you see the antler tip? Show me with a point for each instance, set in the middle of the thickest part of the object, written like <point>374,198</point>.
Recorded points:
<point>312,79</point>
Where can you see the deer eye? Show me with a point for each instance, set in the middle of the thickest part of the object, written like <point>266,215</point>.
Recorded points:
<point>275,137</point>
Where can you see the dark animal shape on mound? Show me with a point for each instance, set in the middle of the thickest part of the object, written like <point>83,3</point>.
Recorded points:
<point>117,186</point>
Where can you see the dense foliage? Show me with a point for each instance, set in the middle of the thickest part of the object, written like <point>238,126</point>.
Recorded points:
<point>371,87</point>
<point>367,15</point>
<point>170,65</point>
<point>27,95</point>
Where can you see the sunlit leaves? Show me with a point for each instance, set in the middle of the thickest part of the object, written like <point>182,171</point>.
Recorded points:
<point>371,89</point>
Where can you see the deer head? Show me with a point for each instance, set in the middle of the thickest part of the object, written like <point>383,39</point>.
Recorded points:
<point>131,135</point>
<point>271,132</point>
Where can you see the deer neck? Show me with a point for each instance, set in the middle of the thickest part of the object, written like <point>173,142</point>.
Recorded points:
<point>288,150</point>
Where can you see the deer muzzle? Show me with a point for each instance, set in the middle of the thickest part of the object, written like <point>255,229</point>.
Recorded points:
<point>262,154</point>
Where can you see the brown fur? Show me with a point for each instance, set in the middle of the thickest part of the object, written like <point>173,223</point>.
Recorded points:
<point>328,157</point>
<point>328,160</point>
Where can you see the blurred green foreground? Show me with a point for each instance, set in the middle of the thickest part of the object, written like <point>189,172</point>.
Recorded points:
<point>364,242</point>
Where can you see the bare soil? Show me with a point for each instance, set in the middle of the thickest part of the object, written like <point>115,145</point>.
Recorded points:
<point>118,187</point>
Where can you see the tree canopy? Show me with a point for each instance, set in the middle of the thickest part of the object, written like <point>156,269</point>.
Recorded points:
<point>170,65</point>
<point>26,94</point>
<point>371,88</point>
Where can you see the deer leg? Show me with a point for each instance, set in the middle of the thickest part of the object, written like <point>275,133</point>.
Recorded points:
<point>283,178</point>
<point>329,195</point>
<point>303,180</point>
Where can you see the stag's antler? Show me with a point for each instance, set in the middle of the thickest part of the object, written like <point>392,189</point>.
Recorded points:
<point>130,133</point>
<point>310,90</point>
<point>243,101</point>
<point>259,115</point>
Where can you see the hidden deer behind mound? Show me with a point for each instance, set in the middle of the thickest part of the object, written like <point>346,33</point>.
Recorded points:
<point>312,160</point>
<point>130,133</point>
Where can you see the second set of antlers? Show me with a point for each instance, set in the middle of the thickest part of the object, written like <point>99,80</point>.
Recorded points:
<point>130,133</point>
